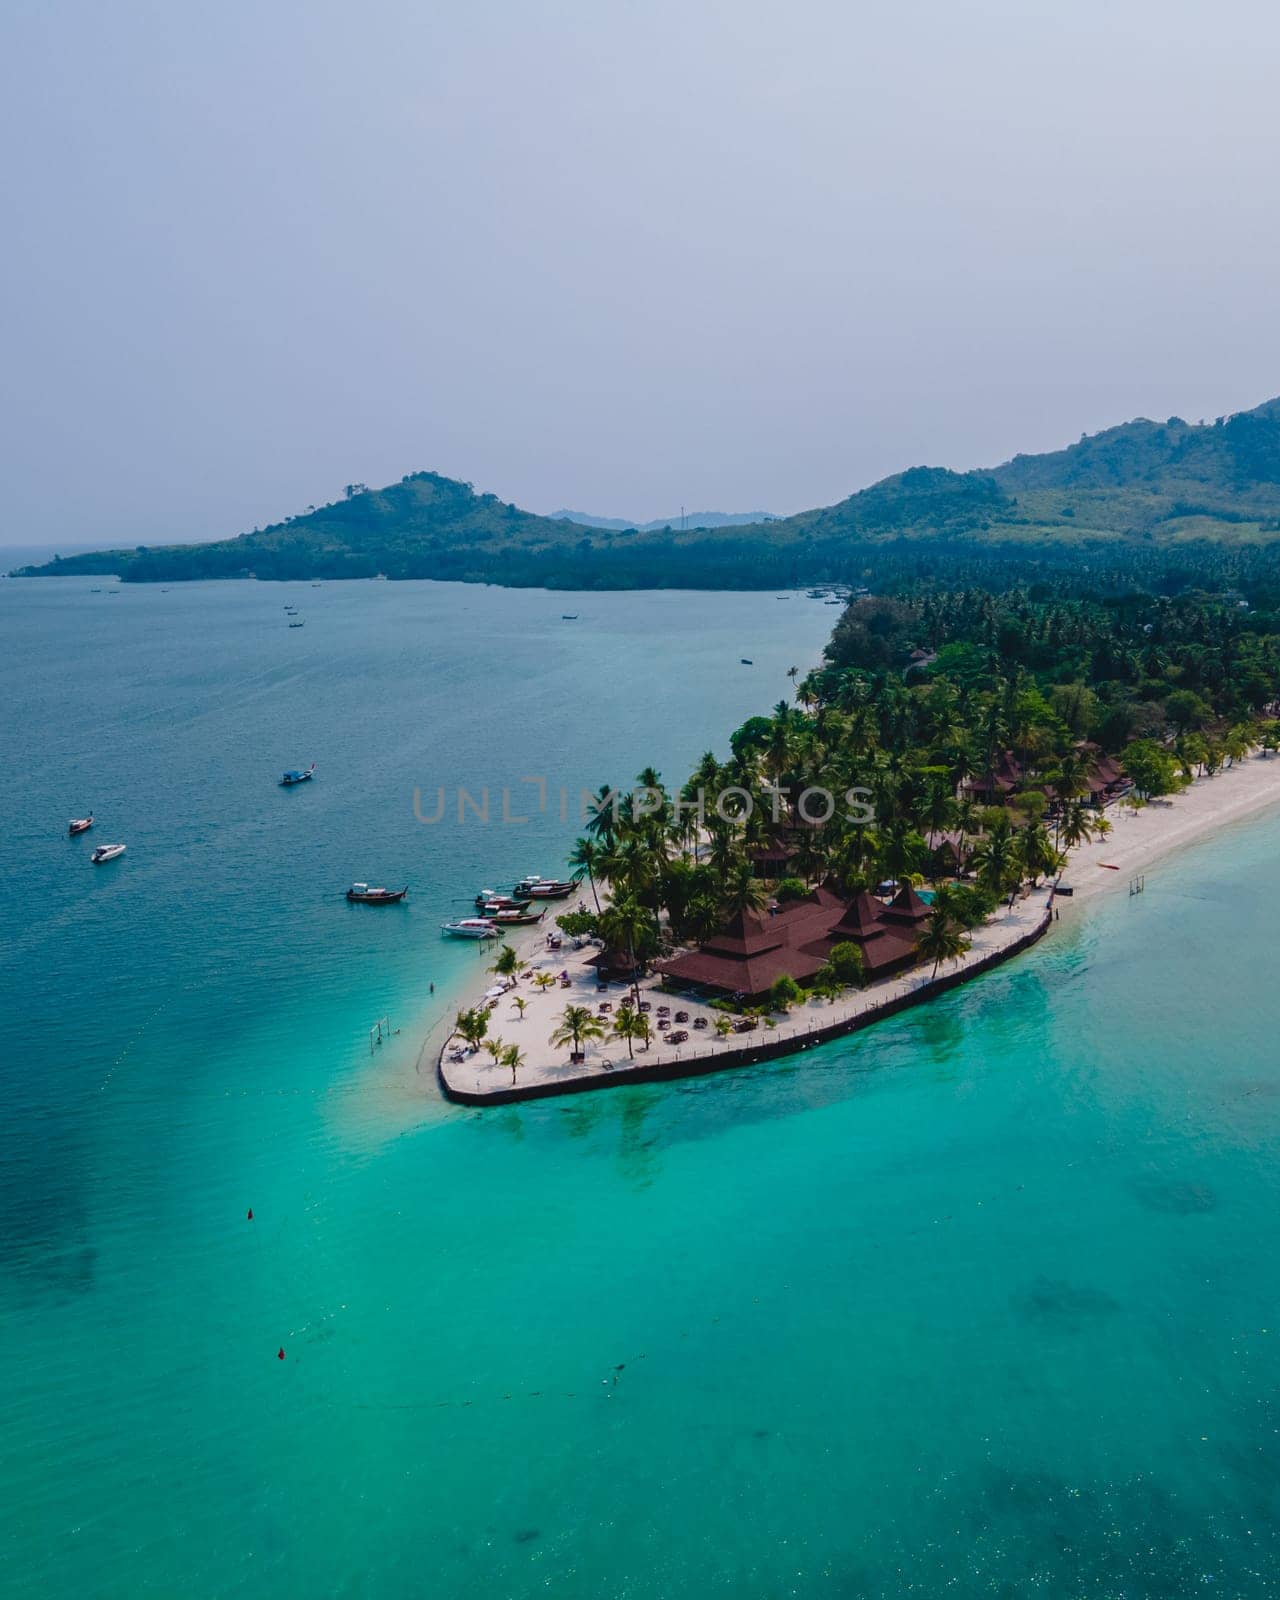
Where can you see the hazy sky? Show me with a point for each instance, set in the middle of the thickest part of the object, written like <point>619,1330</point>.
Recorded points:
<point>613,256</point>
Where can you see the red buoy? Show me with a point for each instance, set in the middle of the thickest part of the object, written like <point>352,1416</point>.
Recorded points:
<point>249,1218</point>
<point>280,1353</point>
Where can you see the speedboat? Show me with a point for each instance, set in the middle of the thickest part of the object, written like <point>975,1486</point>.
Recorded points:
<point>490,899</point>
<point>746,661</point>
<point>470,928</point>
<point>294,776</point>
<point>80,825</point>
<point>375,897</point>
<point>106,852</point>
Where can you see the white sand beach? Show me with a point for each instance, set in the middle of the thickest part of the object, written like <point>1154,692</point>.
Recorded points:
<point>1138,840</point>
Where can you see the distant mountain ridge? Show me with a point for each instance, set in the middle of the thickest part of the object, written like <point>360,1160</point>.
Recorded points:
<point>687,519</point>
<point>1143,482</point>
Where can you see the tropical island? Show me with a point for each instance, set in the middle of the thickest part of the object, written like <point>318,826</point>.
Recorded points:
<point>1210,491</point>
<point>900,826</point>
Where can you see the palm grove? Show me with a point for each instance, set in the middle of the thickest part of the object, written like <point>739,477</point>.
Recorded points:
<point>923,695</point>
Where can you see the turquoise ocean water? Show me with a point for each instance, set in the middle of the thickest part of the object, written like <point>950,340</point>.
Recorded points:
<point>980,1302</point>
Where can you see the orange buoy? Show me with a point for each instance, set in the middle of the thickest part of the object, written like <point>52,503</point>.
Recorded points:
<point>280,1353</point>
<point>249,1218</point>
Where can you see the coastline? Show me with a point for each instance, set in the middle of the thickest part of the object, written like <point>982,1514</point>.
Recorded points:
<point>1171,824</point>
<point>1105,866</point>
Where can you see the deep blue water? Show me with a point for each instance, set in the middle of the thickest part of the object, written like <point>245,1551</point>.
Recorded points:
<point>981,1301</point>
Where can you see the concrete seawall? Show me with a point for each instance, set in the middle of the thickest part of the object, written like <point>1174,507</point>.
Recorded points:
<point>670,1068</point>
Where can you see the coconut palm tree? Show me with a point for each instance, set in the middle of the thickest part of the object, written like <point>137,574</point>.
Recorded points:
<point>942,940</point>
<point>471,1026</point>
<point>507,962</point>
<point>702,916</point>
<point>577,1024</point>
<point>603,815</point>
<point>743,891</point>
<point>495,1047</point>
<point>996,859</point>
<point>1076,827</point>
<point>939,809</point>
<point>856,854</point>
<point>521,1005</point>
<point>902,850</point>
<point>543,980</point>
<point>1036,852</point>
<point>967,826</point>
<point>626,925</point>
<point>513,1057</point>
<point>1238,741</point>
<point>630,1024</point>
<point>585,857</point>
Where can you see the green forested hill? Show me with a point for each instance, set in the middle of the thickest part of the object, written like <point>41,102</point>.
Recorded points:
<point>1143,483</point>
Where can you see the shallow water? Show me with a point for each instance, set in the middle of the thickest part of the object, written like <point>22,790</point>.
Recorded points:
<point>980,1300</point>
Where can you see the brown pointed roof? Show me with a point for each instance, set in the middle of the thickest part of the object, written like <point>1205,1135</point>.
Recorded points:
<point>908,909</point>
<point>746,933</point>
<point>752,949</point>
<point>861,920</point>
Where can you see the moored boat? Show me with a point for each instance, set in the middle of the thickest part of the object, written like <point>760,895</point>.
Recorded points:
<point>512,919</point>
<point>470,928</point>
<point>375,897</point>
<point>544,888</point>
<point>295,776</point>
<point>80,825</point>
<point>500,902</point>
<point>106,852</point>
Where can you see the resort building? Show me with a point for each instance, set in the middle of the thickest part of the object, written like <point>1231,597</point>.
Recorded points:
<point>995,785</point>
<point>755,948</point>
<point>1104,776</point>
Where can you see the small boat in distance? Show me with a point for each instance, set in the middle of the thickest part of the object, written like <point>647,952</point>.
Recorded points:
<point>746,661</point>
<point>568,616</point>
<point>296,622</point>
<point>106,852</point>
<point>362,893</point>
<point>294,776</point>
<point>470,928</point>
<point>80,825</point>
<point>501,902</point>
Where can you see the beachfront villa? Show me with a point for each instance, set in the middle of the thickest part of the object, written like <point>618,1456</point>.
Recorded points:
<point>755,948</point>
<point>1104,778</point>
